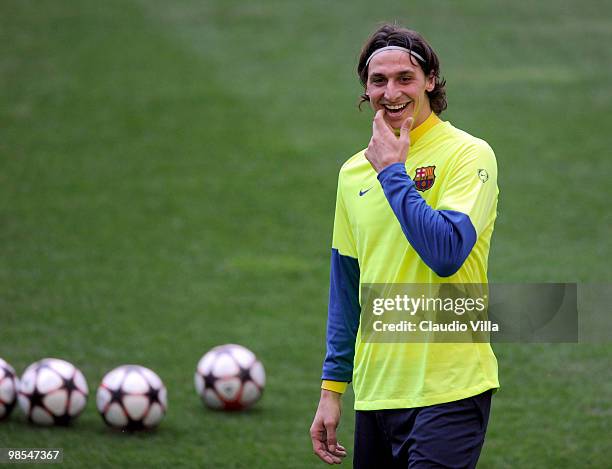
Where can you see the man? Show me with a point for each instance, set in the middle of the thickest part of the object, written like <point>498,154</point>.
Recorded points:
<point>417,206</point>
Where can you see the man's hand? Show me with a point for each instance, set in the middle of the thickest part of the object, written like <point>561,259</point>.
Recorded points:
<point>385,148</point>
<point>323,428</point>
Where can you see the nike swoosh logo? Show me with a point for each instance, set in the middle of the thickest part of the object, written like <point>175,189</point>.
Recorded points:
<point>362,193</point>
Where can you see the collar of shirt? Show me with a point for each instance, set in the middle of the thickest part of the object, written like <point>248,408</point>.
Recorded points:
<point>422,129</point>
<point>418,132</point>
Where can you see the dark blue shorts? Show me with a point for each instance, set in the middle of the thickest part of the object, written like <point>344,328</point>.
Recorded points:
<point>448,435</point>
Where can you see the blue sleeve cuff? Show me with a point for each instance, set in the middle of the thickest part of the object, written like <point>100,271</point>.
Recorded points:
<point>392,171</point>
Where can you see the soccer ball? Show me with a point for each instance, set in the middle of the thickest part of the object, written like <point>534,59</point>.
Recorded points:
<point>8,389</point>
<point>132,397</point>
<point>230,377</point>
<point>52,392</point>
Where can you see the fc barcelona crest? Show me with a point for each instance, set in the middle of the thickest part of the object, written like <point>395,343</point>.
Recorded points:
<point>424,178</point>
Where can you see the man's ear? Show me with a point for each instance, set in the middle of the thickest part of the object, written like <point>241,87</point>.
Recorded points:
<point>431,82</point>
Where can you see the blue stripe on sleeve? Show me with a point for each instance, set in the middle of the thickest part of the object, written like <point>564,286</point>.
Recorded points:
<point>442,238</point>
<point>343,318</point>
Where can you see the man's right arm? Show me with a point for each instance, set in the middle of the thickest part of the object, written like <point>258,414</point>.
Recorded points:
<point>342,320</point>
<point>342,326</point>
<point>344,309</point>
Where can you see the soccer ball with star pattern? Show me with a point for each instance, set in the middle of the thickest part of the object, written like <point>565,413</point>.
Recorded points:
<point>230,377</point>
<point>132,397</point>
<point>52,392</point>
<point>8,389</point>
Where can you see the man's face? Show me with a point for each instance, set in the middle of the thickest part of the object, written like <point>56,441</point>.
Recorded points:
<point>397,84</point>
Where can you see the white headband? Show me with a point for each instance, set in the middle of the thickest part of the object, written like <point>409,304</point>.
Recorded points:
<point>384,49</point>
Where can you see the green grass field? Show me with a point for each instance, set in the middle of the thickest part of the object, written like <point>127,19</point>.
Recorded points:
<point>167,182</point>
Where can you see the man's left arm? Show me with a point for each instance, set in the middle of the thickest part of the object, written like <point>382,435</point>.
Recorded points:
<point>444,237</point>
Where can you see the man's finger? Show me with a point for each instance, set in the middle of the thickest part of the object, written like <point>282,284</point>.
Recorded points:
<point>320,449</point>
<point>407,124</point>
<point>340,447</point>
<point>380,124</point>
<point>330,429</point>
<point>377,117</point>
<point>405,128</point>
<point>322,453</point>
<point>340,452</point>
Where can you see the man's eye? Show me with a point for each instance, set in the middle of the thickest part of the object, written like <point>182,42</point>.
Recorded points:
<point>405,79</point>
<point>377,81</point>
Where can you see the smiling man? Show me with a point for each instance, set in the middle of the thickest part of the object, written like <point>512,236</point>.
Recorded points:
<point>413,207</point>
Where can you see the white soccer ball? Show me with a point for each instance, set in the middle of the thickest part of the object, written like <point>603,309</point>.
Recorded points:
<point>230,377</point>
<point>8,389</point>
<point>52,392</point>
<point>132,397</point>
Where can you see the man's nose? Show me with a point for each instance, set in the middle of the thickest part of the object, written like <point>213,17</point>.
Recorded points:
<point>392,91</point>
